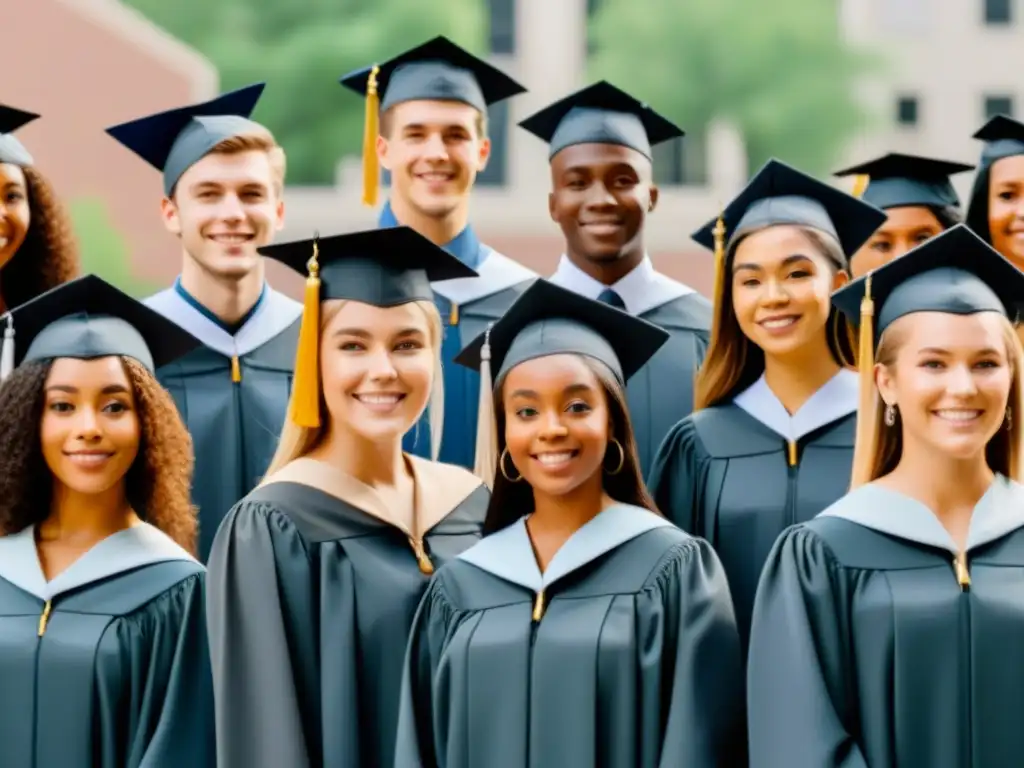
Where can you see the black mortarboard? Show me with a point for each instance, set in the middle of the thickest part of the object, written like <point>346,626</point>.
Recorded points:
<point>174,140</point>
<point>383,267</point>
<point>1003,137</point>
<point>550,320</point>
<point>955,272</point>
<point>896,180</point>
<point>11,149</point>
<point>88,318</point>
<point>600,114</point>
<point>780,194</point>
<point>436,70</point>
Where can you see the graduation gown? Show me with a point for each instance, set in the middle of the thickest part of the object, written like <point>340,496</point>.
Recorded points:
<point>877,643</point>
<point>232,393</point>
<point>738,474</point>
<point>107,665</point>
<point>313,587</point>
<point>467,306</point>
<point>622,654</point>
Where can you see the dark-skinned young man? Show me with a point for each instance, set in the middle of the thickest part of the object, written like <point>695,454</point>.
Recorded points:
<point>602,190</point>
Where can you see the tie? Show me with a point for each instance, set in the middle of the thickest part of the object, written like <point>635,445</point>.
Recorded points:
<point>608,296</point>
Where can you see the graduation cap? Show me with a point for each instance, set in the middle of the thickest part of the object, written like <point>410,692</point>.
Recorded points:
<point>437,70</point>
<point>600,114</point>
<point>896,180</point>
<point>174,140</point>
<point>1003,137</point>
<point>383,267</point>
<point>550,320</point>
<point>955,272</point>
<point>780,194</point>
<point>87,318</point>
<point>11,150</point>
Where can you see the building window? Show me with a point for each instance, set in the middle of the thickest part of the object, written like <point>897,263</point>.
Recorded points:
<point>494,175</point>
<point>998,12</point>
<point>998,105</point>
<point>906,111</point>
<point>503,26</point>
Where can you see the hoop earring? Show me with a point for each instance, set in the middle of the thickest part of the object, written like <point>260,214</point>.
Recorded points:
<point>622,458</point>
<point>1009,418</point>
<point>501,466</point>
<point>890,415</point>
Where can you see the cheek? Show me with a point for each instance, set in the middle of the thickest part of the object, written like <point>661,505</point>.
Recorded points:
<point>417,371</point>
<point>52,434</point>
<point>339,372</point>
<point>744,305</point>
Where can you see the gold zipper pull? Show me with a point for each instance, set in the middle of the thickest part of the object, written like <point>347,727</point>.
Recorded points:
<point>791,453</point>
<point>44,618</point>
<point>453,316</point>
<point>538,606</point>
<point>963,576</point>
<point>422,558</point>
<point>236,370</point>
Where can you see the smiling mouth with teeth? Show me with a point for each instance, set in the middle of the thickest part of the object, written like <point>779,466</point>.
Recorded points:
<point>958,415</point>
<point>554,458</point>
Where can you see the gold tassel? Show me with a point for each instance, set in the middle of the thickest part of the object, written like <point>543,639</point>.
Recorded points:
<point>864,445</point>
<point>860,184</point>
<point>371,164</point>
<point>305,410</point>
<point>719,285</point>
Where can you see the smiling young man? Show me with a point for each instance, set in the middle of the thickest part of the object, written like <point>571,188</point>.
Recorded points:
<point>602,189</point>
<point>433,140</point>
<point>223,180</point>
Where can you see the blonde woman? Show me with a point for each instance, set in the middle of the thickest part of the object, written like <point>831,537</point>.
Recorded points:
<point>316,574</point>
<point>886,630</point>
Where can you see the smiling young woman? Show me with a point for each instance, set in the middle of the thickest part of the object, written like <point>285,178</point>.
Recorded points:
<point>584,629</point>
<point>102,629</point>
<point>772,439</point>
<point>37,246</point>
<point>316,574</point>
<point>883,623</point>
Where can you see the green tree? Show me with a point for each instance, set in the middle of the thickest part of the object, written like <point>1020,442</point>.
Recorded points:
<point>780,71</point>
<point>301,49</point>
<point>103,249</point>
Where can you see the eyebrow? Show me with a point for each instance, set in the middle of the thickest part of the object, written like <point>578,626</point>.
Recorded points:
<point>110,389</point>
<point>572,389</point>
<point>362,333</point>
<point>14,185</point>
<point>946,352</point>
<point>785,263</point>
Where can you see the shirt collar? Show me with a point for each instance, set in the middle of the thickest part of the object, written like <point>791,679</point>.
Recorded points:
<point>633,288</point>
<point>465,246</point>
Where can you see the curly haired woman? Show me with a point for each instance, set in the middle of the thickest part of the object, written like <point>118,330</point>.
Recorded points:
<point>103,651</point>
<point>38,250</point>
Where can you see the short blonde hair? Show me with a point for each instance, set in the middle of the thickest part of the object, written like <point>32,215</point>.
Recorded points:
<point>295,441</point>
<point>258,139</point>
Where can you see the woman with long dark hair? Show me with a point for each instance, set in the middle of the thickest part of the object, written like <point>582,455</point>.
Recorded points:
<point>885,631</point>
<point>103,653</point>
<point>38,250</point>
<point>771,440</point>
<point>916,194</point>
<point>316,574</point>
<point>584,629</point>
<point>996,208</point>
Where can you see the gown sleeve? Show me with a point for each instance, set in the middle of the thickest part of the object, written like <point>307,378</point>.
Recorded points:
<point>704,723</point>
<point>676,478</point>
<point>796,671</point>
<point>414,746</point>
<point>257,645</point>
<point>175,723</point>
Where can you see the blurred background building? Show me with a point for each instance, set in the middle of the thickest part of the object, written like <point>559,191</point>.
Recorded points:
<point>816,83</point>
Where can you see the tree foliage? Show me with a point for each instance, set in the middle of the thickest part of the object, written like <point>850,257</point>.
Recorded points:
<point>103,249</point>
<point>779,70</point>
<point>301,48</point>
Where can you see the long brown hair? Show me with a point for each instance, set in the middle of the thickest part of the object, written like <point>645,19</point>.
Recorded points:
<point>879,446</point>
<point>733,362</point>
<point>49,255</point>
<point>157,484</point>
<point>512,500</point>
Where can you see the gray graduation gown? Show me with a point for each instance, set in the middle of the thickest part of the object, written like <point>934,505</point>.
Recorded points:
<point>741,473</point>
<point>313,588</point>
<point>622,654</point>
<point>232,394</point>
<point>107,665</point>
<point>876,643</point>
